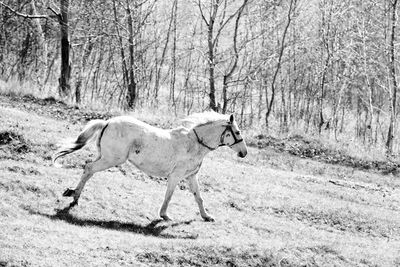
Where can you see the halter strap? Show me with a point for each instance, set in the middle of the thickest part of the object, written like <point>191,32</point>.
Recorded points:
<point>229,127</point>
<point>202,143</point>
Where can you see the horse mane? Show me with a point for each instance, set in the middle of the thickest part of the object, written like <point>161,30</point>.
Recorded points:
<point>203,118</point>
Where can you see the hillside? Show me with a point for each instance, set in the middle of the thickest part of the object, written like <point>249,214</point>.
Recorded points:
<point>272,208</point>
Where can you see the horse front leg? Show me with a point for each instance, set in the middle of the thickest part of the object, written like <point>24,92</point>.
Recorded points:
<point>172,182</point>
<point>194,188</point>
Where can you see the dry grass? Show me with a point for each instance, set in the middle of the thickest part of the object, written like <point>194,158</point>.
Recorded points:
<point>15,88</point>
<point>271,209</point>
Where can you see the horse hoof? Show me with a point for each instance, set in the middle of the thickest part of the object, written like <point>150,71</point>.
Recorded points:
<point>73,204</point>
<point>166,217</point>
<point>69,193</point>
<point>209,218</point>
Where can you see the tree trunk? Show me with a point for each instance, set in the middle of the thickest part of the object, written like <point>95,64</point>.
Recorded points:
<point>392,107</point>
<point>174,60</point>
<point>211,44</point>
<point>211,62</point>
<point>278,66</point>
<point>228,75</point>
<point>125,73</point>
<point>43,44</point>
<point>164,52</point>
<point>64,81</point>
<point>326,28</point>
<point>87,50</point>
<point>131,95</point>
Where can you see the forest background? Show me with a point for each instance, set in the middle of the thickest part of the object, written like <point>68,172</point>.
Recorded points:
<point>318,67</point>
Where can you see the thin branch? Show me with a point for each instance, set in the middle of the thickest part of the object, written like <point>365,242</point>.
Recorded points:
<point>282,48</point>
<point>24,15</point>
<point>226,22</point>
<point>202,14</point>
<point>55,12</point>
<point>235,49</point>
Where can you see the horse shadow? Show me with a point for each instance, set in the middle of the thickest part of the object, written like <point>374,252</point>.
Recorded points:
<point>154,228</point>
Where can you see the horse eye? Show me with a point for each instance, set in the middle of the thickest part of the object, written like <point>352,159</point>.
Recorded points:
<point>237,133</point>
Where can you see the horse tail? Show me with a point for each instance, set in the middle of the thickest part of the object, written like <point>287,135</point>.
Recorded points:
<point>83,138</point>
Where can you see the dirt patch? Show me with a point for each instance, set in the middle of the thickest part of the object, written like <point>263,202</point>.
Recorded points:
<point>21,263</point>
<point>209,257</point>
<point>313,256</point>
<point>14,143</point>
<point>23,171</point>
<point>232,257</point>
<point>11,137</point>
<point>341,220</point>
<point>56,109</point>
<point>313,149</point>
<point>18,187</point>
<point>234,205</point>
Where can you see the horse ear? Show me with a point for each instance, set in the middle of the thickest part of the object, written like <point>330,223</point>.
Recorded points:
<point>231,118</point>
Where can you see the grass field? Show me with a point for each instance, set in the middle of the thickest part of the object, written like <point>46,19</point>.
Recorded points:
<point>271,209</point>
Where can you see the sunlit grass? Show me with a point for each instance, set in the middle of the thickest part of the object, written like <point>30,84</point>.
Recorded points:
<point>271,209</point>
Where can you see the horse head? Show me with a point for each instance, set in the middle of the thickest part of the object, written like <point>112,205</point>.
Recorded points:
<point>232,137</point>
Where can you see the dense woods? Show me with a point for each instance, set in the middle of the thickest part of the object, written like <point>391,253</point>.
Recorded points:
<point>323,66</point>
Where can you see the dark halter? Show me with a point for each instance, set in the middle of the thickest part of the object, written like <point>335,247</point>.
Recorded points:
<point>228,128</point>
<point>202,143</point>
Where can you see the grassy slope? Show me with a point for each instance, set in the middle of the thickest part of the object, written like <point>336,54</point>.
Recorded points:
<point>270,209</point>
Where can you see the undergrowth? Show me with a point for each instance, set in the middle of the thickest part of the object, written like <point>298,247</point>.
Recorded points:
<point>304,147</point>
<point>346,152</point>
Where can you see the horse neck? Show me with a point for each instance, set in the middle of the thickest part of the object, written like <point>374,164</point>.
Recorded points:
<point>210,134</point>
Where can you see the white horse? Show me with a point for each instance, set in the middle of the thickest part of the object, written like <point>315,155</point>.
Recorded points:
<point>176,154</point>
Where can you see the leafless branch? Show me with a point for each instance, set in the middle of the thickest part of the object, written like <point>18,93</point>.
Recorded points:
<point>202,14</point>
<point>24,15</point>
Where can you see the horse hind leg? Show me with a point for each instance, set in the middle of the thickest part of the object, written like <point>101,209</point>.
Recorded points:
<point>100,164</point>
<point>85,176</point>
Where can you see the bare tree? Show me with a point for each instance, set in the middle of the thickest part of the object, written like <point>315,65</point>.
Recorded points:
<point>392,68</point>
<point>160,64</point>
<point>292,5</point>
<point>234,63</point>
<point>65,75</point>
<point>43,44</point>
<point>216,22</point>
<point>212,43</point>
<point>131,95</point>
